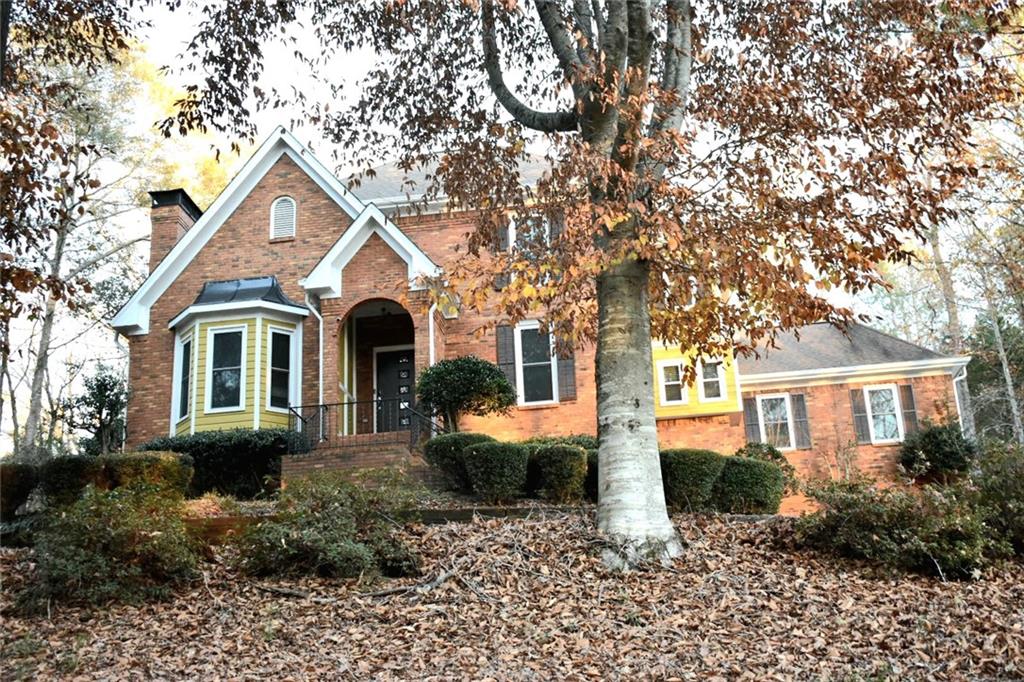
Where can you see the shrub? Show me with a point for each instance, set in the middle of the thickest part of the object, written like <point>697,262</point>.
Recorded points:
<point>937,452</point>
<point>239,462</point>
<point>465,385</point>
<point>329,526</point>
<point>444,453</point>
<point>497,471</point>
<point>936,531</point>
<point>17,481</point>
<point>689,477</point>
<point>126,544</point>
<point>1000,482</point>
<point>590,484</point>
<point>582,440</point>
<point>748,486</point>
<point>561,470</point>
<point>163,470</point>
<point>64,478</point>
<point>767,452</point>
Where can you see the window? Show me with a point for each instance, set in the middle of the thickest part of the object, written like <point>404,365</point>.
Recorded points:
<point>883,407</point>
<point>711,380</point>
<point>282,218</point>
<point>184,378</point>
<point>670,377</point>
<point>226,374</point>
<point>776,417</point>
<point>279,368</point>
<point>536,365</point>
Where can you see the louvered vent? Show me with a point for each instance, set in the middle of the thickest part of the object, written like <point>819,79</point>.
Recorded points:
<point>282,218</point>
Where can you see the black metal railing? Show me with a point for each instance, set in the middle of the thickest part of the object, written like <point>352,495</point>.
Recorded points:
<point>362,422</point>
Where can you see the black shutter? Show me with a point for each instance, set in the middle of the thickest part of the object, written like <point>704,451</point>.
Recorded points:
<point>750,420</point>
<point>860,416</point>
<point>506,352</point>
<point>909,409</point>
<point>501,280</point>
<point>566,375</point>
<point>556,224</point>
<point>802,437</point>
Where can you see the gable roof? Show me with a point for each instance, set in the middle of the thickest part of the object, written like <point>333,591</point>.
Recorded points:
<point>824,348</point>
<point>133,318</point>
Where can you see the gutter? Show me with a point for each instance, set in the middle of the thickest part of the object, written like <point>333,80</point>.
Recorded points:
<point>952,365</point>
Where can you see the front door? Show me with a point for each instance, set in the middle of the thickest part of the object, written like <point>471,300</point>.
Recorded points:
<point>394,390</point>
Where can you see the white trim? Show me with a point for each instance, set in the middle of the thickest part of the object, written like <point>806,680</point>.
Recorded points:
<point>295,217</point>
<point>430,332</point>
<point>388,349</point>
<point>960,376</point>
<point>190,335</point>
<point>325,277</point>
<point>256,374</point>
<point>210,332</point>
<point>237,307</point>
<point>293,356</point>
<point>684,388</point>
<point>195,378</point>
<point>320,353</point>
<point>871,417</point>
<point>723,389</point>
<point>789,419</point>
<point>518,354</point>
<point>843,374</point>
<point>133,318</point>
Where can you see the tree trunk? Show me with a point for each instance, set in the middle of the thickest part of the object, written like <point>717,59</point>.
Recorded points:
<point>631,500</point>
<point>30,438</point>
<point>1011,395</point>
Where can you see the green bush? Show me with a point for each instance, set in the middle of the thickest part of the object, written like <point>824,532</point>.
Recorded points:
<point>497,471</point>
<point>17,481</point>
<point>64,478</point>
<point>444,453</point>
<point>1000,482</point>
<point>465,385</point>
<point>769,453</point>
<point>748,486</point>
<point>582,440</point>
<point>590,484</point>
<point>561,470</point>
<point>164,470</point>
<point>936,531</point>
<point>327,525</point>
<point>242,463</point>
<point>937,452</point>
<point>126,544</point>
<point>689,477</point>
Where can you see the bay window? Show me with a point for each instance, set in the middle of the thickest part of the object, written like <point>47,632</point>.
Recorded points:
<point>225,376</point>
<point>279,370</point>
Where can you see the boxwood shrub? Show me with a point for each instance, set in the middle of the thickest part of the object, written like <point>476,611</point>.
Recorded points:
<point>748,486</point>
<point>767,452</point>
<point>242,463</point>
<point>497,471</point>
<point>63,479</point>
<point>17,480</point>
<point>937,452</point>
<point>169,471</point>
<point>444,453</point>
<point>561,471</point>
<point>689,477</point>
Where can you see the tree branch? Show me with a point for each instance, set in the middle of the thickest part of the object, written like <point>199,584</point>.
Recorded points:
<point>103,256</point>
<point>678,63</point>
<point>547,122</point>
<point>562,43</point>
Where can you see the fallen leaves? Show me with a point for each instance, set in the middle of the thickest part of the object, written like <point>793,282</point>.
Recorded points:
<point>524,599</point>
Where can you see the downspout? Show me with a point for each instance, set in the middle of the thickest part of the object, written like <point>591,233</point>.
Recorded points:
<point>958,392</point>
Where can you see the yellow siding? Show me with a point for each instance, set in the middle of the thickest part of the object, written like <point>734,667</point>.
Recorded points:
<point>693,406</point>
<point>270,419</point>
<point>237,418</point>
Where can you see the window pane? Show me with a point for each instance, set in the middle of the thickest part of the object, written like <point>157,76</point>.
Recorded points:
<point>673,392</point>
<point>226,390</point>
<point>536,346</point>
<point>227,349</point>
<point>712,389</point>
<point>882,402</point>
<point>778,434</point>
<point>671,373</point>
<point>775,415</point>
<point>279,388</point>
<point>885,427</point>
<point>774,410</point>
<point>186,374</point>
<point>280,352</point>
<point>537,383</point>
<point>710,370</point>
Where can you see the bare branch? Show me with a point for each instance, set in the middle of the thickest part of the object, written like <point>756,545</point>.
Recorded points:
<point>678,60</point>
<point>561,43</point>
<point>103,256</point>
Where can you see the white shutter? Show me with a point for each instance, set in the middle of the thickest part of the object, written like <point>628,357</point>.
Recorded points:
<point>282,218</point>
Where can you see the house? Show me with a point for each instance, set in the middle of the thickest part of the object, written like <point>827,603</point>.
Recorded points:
<point>295,301</point>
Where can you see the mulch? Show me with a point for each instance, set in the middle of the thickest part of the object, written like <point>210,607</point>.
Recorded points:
<point>529,599</point>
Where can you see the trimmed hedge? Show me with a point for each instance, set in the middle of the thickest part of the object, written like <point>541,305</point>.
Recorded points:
<point>242,463</point>
<point>937,452</point>
<point>689,477</point>
<point>169,471</point>
<point>748,486</point>
<point>583,440</point>
<point>64,478</point>
<point>444,453</point>
<point>561,470</point>
<point>767,452</point>
<point>17,481</point>
<point>497,471</point>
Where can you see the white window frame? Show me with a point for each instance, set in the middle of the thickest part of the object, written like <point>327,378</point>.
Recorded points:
<point>208,388</point>
<point>295,216</point>
<point>518,347</point>
<point>724,391</point>
<point>179,355</point>
<point>684,388</point>
<point>789,419</point>
<point>292,364</point>
<point>871,417</point>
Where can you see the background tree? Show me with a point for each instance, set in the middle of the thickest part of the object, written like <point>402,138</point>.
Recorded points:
<point>465,385</point>
<point>100,411</point>
<point>719,166</point>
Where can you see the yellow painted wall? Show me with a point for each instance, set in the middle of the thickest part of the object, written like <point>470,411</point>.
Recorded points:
<point>235,418</point>
<point>694,407</point>
<point>270,419</point>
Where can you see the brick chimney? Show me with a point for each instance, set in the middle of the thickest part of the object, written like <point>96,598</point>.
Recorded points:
<point>172,213</point>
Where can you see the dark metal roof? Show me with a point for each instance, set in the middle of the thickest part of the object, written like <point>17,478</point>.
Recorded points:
<point>265,288</point>
<point>179,197</point>
<point>822,346</point>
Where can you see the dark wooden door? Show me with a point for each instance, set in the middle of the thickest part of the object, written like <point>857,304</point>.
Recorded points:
<point>394,390</point>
